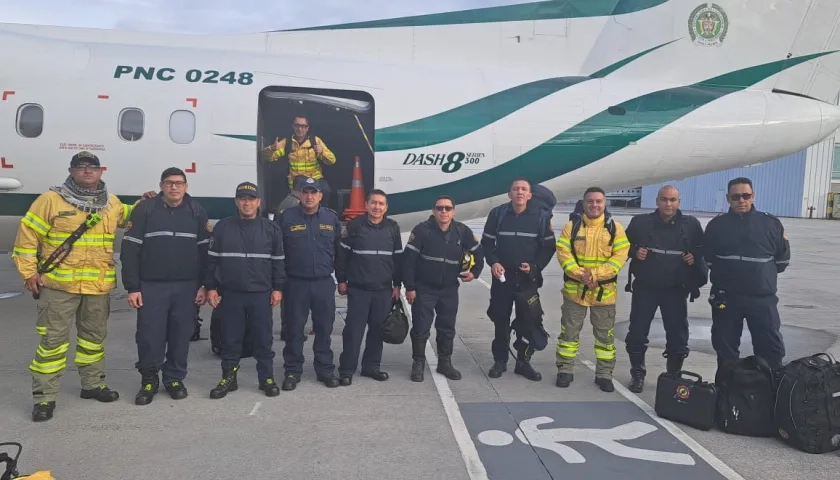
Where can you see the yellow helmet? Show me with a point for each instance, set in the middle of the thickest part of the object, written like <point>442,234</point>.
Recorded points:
<point>467,262</point>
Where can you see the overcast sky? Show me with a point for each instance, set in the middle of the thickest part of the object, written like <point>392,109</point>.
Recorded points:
<point>220,16</point>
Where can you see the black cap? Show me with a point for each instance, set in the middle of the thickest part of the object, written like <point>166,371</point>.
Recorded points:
<point>311,183</point>
<point>84,157</point>
<point>247,188</point>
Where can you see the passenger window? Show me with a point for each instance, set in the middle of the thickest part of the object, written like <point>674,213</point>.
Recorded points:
<point>131,124</point>
<point>182,126</point>
<point>30,120</point>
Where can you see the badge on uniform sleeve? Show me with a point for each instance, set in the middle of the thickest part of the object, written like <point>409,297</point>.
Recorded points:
<point>411,237</point>
<point>209,226</point>
<point>128,225</point>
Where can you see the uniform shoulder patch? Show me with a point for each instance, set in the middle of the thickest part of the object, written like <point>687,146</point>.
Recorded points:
<point>208,226</point>
<point>411,237</point>
<point>128,225</point>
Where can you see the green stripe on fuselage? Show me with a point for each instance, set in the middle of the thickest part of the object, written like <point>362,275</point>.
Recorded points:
<point>594,138</point>
<point>549,10</point>
<point>477,114</point>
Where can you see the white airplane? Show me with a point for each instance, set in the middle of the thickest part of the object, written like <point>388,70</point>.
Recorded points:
<point>568,93</point>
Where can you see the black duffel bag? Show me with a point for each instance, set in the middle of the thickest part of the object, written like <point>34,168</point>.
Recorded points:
<point>396,327</point>
<point>686,400</point>
<point>808,404</point>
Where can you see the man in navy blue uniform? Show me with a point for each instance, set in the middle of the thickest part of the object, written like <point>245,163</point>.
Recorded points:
<point>311,235</point>
<point>246,268</point>
<point>368,271</point>
<point>163,256</point>
<point>746,250</point>
<point>519,242</point>
<point>431,271</point>
<point>666,252</point>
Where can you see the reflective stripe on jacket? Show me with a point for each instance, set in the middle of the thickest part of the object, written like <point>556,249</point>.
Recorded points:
<point>595,254</point>
<point>89,268</point>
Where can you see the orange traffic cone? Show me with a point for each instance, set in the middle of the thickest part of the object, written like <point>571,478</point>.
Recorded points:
<point>357,194</point>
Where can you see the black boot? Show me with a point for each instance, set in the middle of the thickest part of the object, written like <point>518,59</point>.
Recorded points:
<point>499,367</point>
<point>418,353</point>
<point>227,384</point>
<point>101,393</point>
<point>674,363</point>
<point>445,367</point>
<point>43,411</point>
<point>523,363</point>
<point>149,385</point>
<point>637,372</point>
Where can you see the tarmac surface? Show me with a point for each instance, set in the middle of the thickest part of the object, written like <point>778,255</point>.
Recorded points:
<point>475,428</point>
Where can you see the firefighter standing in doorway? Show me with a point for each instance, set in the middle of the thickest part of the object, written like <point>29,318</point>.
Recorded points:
<point>76,287</point>
<point>305,153</point>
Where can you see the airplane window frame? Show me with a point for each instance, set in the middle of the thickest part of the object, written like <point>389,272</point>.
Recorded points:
<point>120,128</point>
<point>19,118</point>
<point>180,138</point>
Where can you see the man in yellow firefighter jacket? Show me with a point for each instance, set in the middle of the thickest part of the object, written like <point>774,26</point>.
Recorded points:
<point>591,249</point>
<point>304,151</point>
<point>78,288</point>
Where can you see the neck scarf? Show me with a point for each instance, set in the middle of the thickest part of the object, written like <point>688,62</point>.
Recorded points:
<point>82,198</point>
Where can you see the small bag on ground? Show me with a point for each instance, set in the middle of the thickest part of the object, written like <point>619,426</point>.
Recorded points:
<point>689,401</point>
<point>746,397</point>
<point>808,404</point>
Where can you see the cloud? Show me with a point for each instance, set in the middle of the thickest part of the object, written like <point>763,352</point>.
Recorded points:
<point>220,16</point>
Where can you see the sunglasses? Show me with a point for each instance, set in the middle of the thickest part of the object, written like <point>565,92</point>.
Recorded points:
<point>738,196</point>
<point>444,208</point>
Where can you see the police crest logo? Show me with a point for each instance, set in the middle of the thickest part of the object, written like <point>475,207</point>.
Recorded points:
<point>708,25</point>
<point>411,237</point>
<point>128,225</point>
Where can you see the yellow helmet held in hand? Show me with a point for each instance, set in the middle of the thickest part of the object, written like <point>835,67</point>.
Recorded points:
<point>467,262</point>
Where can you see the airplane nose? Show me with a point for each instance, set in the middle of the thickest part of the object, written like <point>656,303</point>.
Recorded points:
<point>830,120</point>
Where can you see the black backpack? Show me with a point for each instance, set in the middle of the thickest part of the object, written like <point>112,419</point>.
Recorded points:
<point>216,335</point>
<point>746,397</point>
<point>808,404</point>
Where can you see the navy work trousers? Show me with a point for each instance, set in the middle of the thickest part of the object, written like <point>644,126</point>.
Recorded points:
<point>248,311</point>
<point>317,296</point>
<point>438,306</point>
<point>165,324</point>
<point>673,306</point>
<point>763,321</point>
<point>365,308</point>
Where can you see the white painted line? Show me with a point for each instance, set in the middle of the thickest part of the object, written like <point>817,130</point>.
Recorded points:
<point>674,430</point>
<point>683,437</point>
<point>483,282</point>
<point>475,469</point>
<point>256,407</point>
